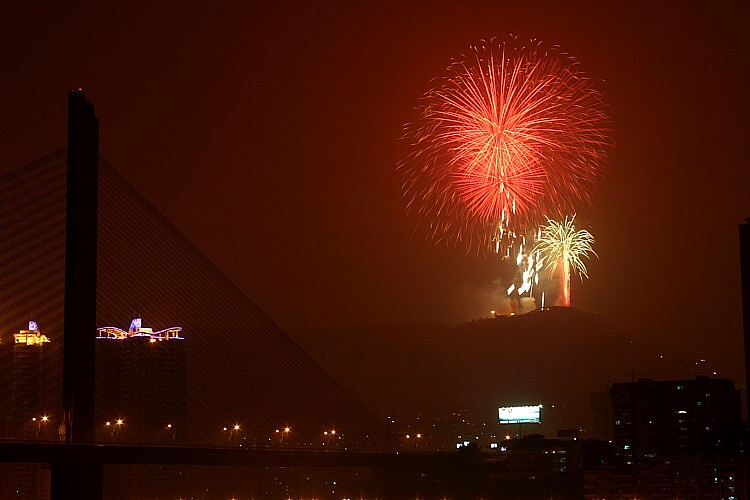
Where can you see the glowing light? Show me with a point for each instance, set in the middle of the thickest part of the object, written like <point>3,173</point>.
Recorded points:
<point>135,325</point>
<point>560,246</point>
<point>32,336</point>
<point>514,131</point>
<point>137,330</point>
<point>519,414</point>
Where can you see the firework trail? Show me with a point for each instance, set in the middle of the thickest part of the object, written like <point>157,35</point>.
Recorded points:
<point>560,246</point>
<point>528,267</point>
<point>513,132</point>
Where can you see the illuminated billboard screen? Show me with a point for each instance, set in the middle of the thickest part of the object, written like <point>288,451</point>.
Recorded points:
<point>520,414</point>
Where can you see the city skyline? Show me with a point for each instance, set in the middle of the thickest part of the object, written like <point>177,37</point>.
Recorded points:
<point>290,142</point>
<point>242,366</point>
<point>248,190</point>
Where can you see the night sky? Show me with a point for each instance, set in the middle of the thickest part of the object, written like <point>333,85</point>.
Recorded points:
<point>268,132</point>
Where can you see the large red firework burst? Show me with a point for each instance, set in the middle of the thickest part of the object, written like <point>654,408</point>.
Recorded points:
<point>513,133</point>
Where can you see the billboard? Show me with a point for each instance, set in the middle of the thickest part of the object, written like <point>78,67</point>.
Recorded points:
<point>520,414</point>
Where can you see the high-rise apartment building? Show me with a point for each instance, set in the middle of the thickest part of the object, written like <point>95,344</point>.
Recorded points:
<point>30,383</point>
<point>657,419</point>
<point>140,384</point>
<point>30,405</point>
<point>744,230</point>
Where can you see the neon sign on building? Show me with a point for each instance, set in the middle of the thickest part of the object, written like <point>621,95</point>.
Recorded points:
<point>137,330</point>
<point>32,336</point>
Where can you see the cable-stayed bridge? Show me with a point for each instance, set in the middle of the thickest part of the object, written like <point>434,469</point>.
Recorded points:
<point>241,369</point>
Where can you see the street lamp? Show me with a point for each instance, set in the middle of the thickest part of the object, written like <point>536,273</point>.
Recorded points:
<point>39,421</point>
<point>283,434</point>
<point>231,431</point>
<point>329,436</point>
<point>414,439</point>
<point>115,429</point>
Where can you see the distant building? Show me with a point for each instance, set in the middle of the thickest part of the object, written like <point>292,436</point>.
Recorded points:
<point>30,405</point>
<point>30,383</point>
<point>601,411</point>
<point>657,419</point>
<point>535,467</point>
<point>140,384</point>
<point>704,476</point>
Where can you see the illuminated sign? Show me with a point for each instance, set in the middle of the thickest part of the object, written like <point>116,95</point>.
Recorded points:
<point>135,325</point>
<point>136,329</point>
<point>520,414</point>
<point>32,336</point>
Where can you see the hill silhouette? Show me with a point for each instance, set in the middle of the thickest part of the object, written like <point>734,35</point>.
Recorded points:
<point>558,357</point>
